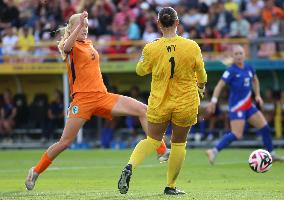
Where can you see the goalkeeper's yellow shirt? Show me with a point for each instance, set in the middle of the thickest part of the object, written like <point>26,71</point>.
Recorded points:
<point>176,65</point>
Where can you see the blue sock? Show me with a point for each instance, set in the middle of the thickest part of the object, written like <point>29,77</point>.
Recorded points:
<point>226,140</point>
<point>202,127</point>
<point>169,129</point>
<point>193,129</point>
<point>266,137</point>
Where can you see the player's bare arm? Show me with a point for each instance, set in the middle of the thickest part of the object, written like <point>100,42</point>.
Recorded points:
<point>217,91</point>
<point>69,43</point>
<point>256,89</point>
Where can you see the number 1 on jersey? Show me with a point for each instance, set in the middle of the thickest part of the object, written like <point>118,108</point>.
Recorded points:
<point>173,63</point>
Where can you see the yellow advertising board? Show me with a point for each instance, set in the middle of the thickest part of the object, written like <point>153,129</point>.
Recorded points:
<point>60,68</point>
<point>32,68</point>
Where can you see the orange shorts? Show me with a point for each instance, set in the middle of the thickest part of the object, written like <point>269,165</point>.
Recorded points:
<point>86,105</point>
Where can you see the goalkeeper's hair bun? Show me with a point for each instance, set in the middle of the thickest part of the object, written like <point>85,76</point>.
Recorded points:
<point>167,16</point>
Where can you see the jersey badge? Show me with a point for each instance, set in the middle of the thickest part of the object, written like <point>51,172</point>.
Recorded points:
<point>240,114</point>
<point>75,110</point>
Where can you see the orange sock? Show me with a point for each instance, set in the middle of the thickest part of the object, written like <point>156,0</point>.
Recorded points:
<point>42,164</point>
<point>162,148</point>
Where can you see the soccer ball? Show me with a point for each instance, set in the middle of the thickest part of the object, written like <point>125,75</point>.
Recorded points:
<point>260,161</point>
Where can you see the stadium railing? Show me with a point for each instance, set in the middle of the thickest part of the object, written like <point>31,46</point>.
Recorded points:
<point>130,50</point>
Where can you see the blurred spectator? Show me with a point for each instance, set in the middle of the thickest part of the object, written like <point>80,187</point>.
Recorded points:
<point>86,5</point>
<point>281,33</point>
<point>232,6</point>
<point>191,18</point>
<point>37,31</point>
<point>8,113</point>
<point>55,116</point>
<point>253,10</point>
<point>49,10</point>
<point>49,29</point>
<point>9,14</point>
<point>222,20</point>
<point>121,17</point>
<point>270,11</point>
<point>101,18</point>
<point>240,27</point>
<point>182,32</point>
<point>268,48</point>
<point>21,120</point>
<point>26,42</point>
<point>9,42</point>
<point>256,30</point>
<point>150,34</point>
<point>133,30</point>
<point>208,2</point>
<point>194,18</point>
<point>67,9</point>
<point>146,15</point>
<point>40,52</point>
<point>27,16</point>
<point>38,111</point>
<point>117,48</point>
<point>273,28</point>
<point>194,34</point>
<point>210,33</point>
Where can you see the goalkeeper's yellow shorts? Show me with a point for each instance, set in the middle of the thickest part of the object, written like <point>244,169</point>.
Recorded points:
<point>183,115</point>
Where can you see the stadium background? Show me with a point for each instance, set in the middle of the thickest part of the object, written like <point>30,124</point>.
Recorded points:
<point>30,66</point>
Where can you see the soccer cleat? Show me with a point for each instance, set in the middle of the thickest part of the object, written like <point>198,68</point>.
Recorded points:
<point>165,156</point>
<point>123,183</point>
<point>31,179</point>
<point>211,156</point>
<point>173,191</point>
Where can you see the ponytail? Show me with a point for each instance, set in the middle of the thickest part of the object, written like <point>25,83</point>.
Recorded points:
<point>65,33</point>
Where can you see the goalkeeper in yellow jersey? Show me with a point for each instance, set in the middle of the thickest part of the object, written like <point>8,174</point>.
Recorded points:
<point>178,75</point>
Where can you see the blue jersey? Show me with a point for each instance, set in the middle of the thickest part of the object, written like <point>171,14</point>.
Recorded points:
<point>240,83</point>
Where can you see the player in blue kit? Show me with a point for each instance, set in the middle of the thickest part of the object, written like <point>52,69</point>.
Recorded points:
<point>242,80</point>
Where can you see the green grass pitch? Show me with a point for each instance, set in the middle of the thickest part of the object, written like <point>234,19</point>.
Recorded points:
<point>93,174</point>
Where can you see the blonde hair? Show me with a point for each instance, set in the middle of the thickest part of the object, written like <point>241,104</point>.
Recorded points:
<point>65,33</point>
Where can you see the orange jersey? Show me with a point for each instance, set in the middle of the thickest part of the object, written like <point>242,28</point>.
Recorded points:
<point>84,69</point>
<point>269,14</point>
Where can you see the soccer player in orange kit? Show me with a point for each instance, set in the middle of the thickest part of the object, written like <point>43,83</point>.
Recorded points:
<point>89,94</point>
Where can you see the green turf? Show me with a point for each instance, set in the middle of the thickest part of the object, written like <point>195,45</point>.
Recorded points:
<point>93,175</point>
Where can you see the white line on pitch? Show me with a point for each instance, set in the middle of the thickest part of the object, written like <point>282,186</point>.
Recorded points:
<point>116,166</point>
